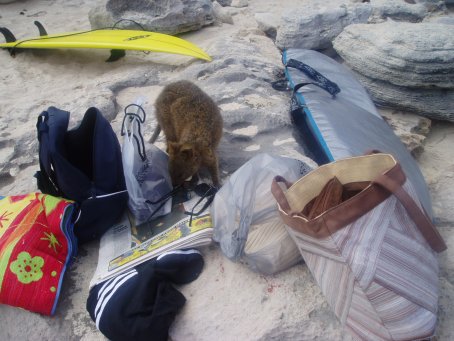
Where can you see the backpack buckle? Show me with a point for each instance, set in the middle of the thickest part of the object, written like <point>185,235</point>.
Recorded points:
<point>41,124</point>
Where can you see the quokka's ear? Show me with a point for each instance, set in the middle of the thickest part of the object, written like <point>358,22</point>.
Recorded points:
<point>187,151</point>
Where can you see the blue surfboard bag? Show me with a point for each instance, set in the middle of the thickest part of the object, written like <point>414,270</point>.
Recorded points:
<point>83,164</point>
<point>336,118</point>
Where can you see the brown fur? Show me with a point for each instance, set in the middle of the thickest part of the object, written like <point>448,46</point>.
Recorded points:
<point>192,124</point>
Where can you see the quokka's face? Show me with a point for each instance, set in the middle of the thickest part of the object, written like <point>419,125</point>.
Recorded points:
<point>183,162</point>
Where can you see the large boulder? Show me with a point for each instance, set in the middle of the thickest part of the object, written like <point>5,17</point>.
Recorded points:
<point>316,24</point>
<point>404,54</point>
<point>431,103</point>
<point>404,10</point>
<point>403,65</point>
<point>165,16</point>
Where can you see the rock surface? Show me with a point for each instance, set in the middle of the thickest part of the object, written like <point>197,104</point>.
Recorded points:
<point>315,25</point>
<point>403,65</point>
<point>165,16</point>
<point>410,128</point>
<point>221,14</point>
<point>406,11</point>
<point>431,103</point>
<point>224,2</point>
<point>439,174</point>
<point>404,54</point>
<point>267,22</point>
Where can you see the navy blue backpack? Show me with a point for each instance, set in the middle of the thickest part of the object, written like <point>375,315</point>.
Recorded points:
<point>85,165</point>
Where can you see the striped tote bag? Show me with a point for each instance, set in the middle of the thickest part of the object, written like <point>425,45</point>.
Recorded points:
<point>369,245</point>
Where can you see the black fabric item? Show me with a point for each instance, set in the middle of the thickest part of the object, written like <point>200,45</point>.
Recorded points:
<point>304,135</point>
<point>180,266</point>
<point>141,304</point>
<point>83,164</point>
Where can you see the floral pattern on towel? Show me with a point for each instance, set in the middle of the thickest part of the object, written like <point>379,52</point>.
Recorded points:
<point>26,268</point>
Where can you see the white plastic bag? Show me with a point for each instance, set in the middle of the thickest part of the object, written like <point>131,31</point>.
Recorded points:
<point>245,217</point>
<point>146,172</point>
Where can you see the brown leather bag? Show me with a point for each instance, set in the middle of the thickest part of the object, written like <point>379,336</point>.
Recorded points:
<point>367,241</point>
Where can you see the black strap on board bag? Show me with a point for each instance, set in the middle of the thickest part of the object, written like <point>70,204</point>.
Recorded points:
<point>83,164</point>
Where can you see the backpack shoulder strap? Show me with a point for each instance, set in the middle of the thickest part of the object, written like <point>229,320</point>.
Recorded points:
<point>51,128</point>
<point>107,155</point>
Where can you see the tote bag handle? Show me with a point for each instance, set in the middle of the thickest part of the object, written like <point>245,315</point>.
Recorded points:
<point>425,226</point>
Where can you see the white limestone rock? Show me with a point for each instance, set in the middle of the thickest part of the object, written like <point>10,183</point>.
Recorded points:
<point>410,128</point>
<point>405,66</point>
<point>431,103</point>
<point>316,24</point>
<point>403,54</point>
<point>405,11</point>
<point>268,23</point>
<point>165,16</point>
<point>221,14</point>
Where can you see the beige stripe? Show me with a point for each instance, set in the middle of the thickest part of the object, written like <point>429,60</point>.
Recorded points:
<point>362,168</point>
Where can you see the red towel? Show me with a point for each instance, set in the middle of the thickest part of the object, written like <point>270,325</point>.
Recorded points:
<point>36,246</point>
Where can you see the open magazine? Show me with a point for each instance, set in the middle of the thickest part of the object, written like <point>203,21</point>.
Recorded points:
<point>126,245</point>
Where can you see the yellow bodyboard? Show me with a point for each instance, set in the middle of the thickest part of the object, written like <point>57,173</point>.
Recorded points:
<point>113,39</point>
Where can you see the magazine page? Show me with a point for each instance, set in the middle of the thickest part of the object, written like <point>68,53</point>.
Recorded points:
<point>126,245</point>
